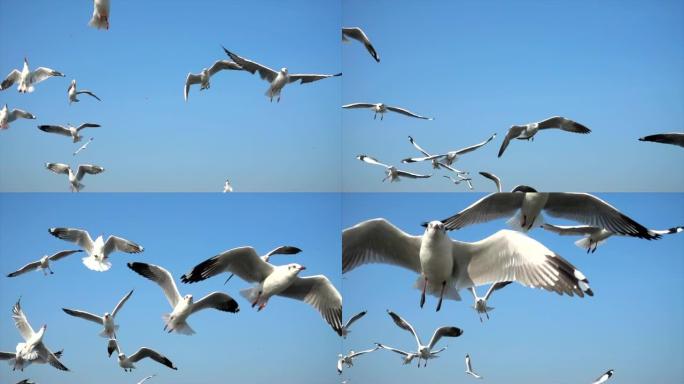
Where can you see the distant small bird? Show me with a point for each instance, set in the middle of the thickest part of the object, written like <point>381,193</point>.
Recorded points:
<point>126,362</point>
<point>145,379</point>
<point>604,377</point>
<point>469,368</point>
<point>407,356</point>
<point>106,320</point>
<point>480,304</point>
<point>348,359</point>
<point>357,34</point>
<point>74,178</point>
<point>43,264</point>
<point>595,236</point>
<point>26,381</point>
<point>7,116</point>
<point>203,77</point>
<point>69,130</point>
<point>451,156</point>
<point>82,147</point>
<point>527,131</point>
<point>384,108</point>
<point>72,93</point>
<point>27,78</point>
<point>461,179</point>
<point>100,19</point>
<point>393,174</point>
<point>276,79</point>
<point>227,187</point>
<point>345,327</point>
<point>674,138</point>
<point>436,163</point>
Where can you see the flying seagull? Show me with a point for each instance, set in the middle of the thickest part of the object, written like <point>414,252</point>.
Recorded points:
<point>26,381</point>
<point>227,187</point>
<point>271,280</point>
<point>27,78</point>
<point>407,357</point>
<point>145,379</point>
<point>393,174</point>
<point>18,362</point>
<point>580,207</point>
<point>460,180</point>
<point>357,34</point>
<point>69,130</point>
<point>7,116</point>
<point>604,377</point>
<point>345,327</point>
<point>72,93</point>
<point>469,368</point>
<point>348,359</point>
<point>480,304</point>
<point>595,236</point>
<point>674,138</point>
<point>527,131</point>
<point>98,250</point>
<point>449,157</point>
<point>183,306</point>
<point>203,77</point>
<point>383,108</point>
<point>43,264</point>
<point>126,362</point>
<point>106,320</point>
<point>424,351</point>
<point>276,79</point>
<point>445,266</point>
<point>100,19</point>
<point>33,347</point>
<point>74,178</point>
<point>436,163</point>
<point>82,147</point>
<point>282,250</point>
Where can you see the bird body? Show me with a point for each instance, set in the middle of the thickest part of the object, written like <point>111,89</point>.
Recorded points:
<point>100,19</point>
<point>98,250</point>
<point>73,93</point>
<point>26,78</point>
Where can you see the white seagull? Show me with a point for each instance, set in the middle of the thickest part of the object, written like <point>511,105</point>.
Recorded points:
<point>106,320</point>
<point>100,19</point>
<point>82,147</point>
<point>436,164</point>
<point>674,138</point>
<point>69,130</point>
<point>480,303</point>
<point>595,236</point>
<point>276,79</point>
<point>407,357</point>
<point>74,178</point>
<point>357,34</point>
<point>527,131</point>
<point>183,306</point>
<point>43,264</point>
<point>271,280</point>
<point>449,157</point>
<point>424,351</point>
<point>580,207</point>
<point>27,78</point>
<point>345,327</point>
<point>7,116</point>
<point>393,174</point>
<point>98,250</point>
<point>469,368</point>
<point>72,93</point>
<point>282,250</point>
<point>384,108</point>
<point>446,266</point>
<point>460,180</point>
<point>348,359</point>
<point>604,377</point>
<point>227,187</point>
<point>126,362</point>
<point>145,379</point>
<point>203,77</point>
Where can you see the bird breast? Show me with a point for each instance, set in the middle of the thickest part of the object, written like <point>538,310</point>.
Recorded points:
<point>277,282</point>
<point>436,258</point>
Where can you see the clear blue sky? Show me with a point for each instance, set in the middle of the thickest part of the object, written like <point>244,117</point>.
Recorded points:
<point>633,324</point>
<point>287,339</point>
<point>151,140</point>
<point>479,67</point>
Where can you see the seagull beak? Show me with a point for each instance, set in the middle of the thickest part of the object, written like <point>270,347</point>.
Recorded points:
<point>301,268</point>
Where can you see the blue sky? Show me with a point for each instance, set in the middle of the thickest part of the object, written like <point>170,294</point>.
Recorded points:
<point>480,67</point>
<point>632,324</point>
<point>151,140</point>
<point>287,339</point>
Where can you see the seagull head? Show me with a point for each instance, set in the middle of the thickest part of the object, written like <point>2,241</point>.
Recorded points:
<point>283,70</point>
<point>107,316</point>
<point>188,298</point>
<point>434,226</point>
<point>295,268</point>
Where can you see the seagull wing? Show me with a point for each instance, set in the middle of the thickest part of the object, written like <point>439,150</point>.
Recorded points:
<point>405,325</point>
<point>221,65</point>
<point>308,77</point>
<point>62,254</point>
<point>318,292</point>
<point>58,168</point>
<point>358,35</point>
<point>17,113</point>
<point>570,230</point>
<point>399,351</point>
<point>407,112</point>
<point>58,129</point>
<point>145,379</point>
<point>476,146</point>
<point>190,80</point>
<point>121,302</point>
<point>21,322</point>
<point>112,345</point>
<point>89,93</point>
<point>416,146</point>
<point>89,169</point>
<point>282,250</point>
<point>490,207</point>
<point>444,332</point>
<point>87,125</point>
<point>564,124</point>
<point>513,132</point>
<point>84,315</point>
<point>354,318</point>
<point>42,73</point>
<point>160,276</point>
<point>359,105</point>
<point>496,287</point>
<point>674,138</point>
<point>52,358</point>
<point>493,178</point>
<point>216,300</point>
<point>265,72</point>
<point>78,236</point>
<point>26,268</point>
<point>116,243</point>
<point>412,175</point>
<point>242,261</point>
<point>371,160</point>
<point>339,366</point>
<point>152,354</point>
<point>378,241</point>
<point>11,78</point>
<point>359,353</point>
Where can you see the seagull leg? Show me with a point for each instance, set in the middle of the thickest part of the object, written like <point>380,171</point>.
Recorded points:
<point>375,116</point>
<point>524,221</point>
<point>257,299</point>
<point>382,116</point>
<point>278,99</point>
<point>228,279</point>
<point>422,300</point>
<point>441,295</point>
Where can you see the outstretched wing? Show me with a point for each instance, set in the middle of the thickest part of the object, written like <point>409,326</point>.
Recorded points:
<point>318,292</point>
<point>152,354</point>
<point>493,178</point>
<point>359,105</point>
<point>17,113</point>
<point>160,276</point>
<point>116,243</point>
<point>58,129</point>
<point>42,73</point>
<point>78,236</point>
<point>265,72</point>
<point>89,169</point>
<point>570,230</point>
<point>62,254</point>
<point>371,160</point>
<point>26,268</point>
<point>444,332</point>
<point>221,65</point>
<point>11,78</point>
<point>513,132</point>
<point>412,175</point>
<point>84,315</point>
<point>87,125</point>
<point>358,34</point>
<point>242,261</point>
<point>491,207</point>
<point>121,302</point>
<point>476,146</point>
<point>405,325</point>
<point>564,124</point>
<point>407,112</point>
<point>89,93</point>
<point>21,322</point>
<point>496,287</point>
<point>216,300</point>
<point>354,318</point>
<point>309,78</point>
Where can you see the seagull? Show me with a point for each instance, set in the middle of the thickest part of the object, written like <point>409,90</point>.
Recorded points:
<point>674,138</point>
<point>271,280</point>
<point>126,362</point>
<point>98,250</point>
<point>480,304</point>
<point>72,93</point>
<point>74,178</point>
<point>7,116</point>
<point>26,381</point>
<point>595,236</point>
<point>69,130</point>
<point>383,108</point>
<point>183,306</point>
<point>345,327</point>
<point>446,266</point>
<point>348,359</point>
<point>604,377</point>
<point>227,187</point>
<point>393,174</point>
<point>106,320</point>
<point>100,19</point>
<point>461,179</point>
<point>145,379</point>
<point>581,207</point>
<point>357,34</point>
<point>469,368</point>
<point>203,77</point>
<point>33,348</point>
<point>436,164</point>
<point>282,250</point>
<point>493,178</point>
<point>27,78</point>
<point>82,147</point>
<point>276,79</point>
<point>407,356</point>
<point>43,263</point>
<point>449,157</point>
<point>17,362</point>
<point>425,351</point>
<point>527,131</point>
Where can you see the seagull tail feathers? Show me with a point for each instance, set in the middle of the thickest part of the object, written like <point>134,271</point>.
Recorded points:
<point>109,335</point>
<point>515,223</point>
<point>96,265</point>
<point>98,22</point>
<point>182,328</point>
<point>250,294</point>
<point>586,244</point>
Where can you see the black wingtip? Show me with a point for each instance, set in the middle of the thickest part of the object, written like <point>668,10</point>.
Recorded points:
<point>424,224</point>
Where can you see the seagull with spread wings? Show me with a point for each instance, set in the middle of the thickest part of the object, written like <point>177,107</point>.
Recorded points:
<point>469,368</point>
<point>480,304</point>
<point>407,357</point>
<point>352,320</point>
<point>205,75</point>
<point>7,116</point>
<point>127,362</point>
<point>348,359</point>
<point>69,130</point>
<point>595,236</point>
<point>74,178</point>
<point>27,78</point>
<point>359,35</point>
<point>450,157</point>
<point>98,250</point>
<point>527,131</point>
<point>392,173</point>
<point>436,163</point>
<point>106,320</point>
<point>73,93</point>
<point>43,264</point>
<point>282,250</point>
<point>382,108</point>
